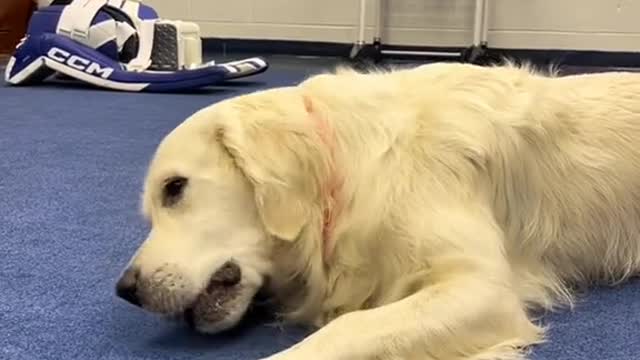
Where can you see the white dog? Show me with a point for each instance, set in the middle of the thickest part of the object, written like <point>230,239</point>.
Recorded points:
<point>412,214</point>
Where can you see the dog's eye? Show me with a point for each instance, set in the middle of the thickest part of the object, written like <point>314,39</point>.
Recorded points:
<point>173,189</point>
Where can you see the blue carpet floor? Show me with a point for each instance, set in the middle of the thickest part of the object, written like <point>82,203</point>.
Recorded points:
<point>72,162</point>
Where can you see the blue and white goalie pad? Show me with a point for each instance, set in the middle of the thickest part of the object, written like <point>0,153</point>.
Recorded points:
<point>120,45</point>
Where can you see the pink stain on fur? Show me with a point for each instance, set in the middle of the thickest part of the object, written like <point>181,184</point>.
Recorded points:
<point>331,189</point>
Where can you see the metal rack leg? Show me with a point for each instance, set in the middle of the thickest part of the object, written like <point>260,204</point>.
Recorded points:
<point>484,38</point>
<point>377,21</point>
<point>360,42</point>
<point>476,53</point>
<point>478,19</point>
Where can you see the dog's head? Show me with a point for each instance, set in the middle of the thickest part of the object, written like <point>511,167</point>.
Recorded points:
<point>224,189</point>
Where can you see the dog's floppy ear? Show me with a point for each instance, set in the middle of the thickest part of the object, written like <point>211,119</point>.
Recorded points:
<point>273,142</point>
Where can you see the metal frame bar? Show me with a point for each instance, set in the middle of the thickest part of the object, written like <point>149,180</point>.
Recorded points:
<point>362,22</point>
<point>484,37</point>
<point>480,29</point>
<point>377,20</point>
<point>478,20</point>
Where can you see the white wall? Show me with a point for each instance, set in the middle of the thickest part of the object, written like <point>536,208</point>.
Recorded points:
<point>533,24</point>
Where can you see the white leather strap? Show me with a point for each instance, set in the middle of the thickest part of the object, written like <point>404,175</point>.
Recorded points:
<point>116,3</point>
<point>145,36</point>
<point>123,32</point>
<point>132,8</point>
<point>76,18</point>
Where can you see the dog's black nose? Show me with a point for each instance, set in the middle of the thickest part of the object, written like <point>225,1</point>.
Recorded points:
<point>127,286</point>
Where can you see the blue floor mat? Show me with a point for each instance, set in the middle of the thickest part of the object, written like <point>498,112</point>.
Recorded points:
<point>72,162</point>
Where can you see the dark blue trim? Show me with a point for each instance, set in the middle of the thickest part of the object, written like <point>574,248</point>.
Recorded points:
<point>39,45</point>
<point>110,48</point>
<point>45,20</point>
<point>26,54</point>
<point>269,47</point>
<point>146,12</point>
<point>308,48</point>
<point>161,80</point>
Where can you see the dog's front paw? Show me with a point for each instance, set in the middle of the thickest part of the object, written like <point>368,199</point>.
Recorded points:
<point>339,340</point>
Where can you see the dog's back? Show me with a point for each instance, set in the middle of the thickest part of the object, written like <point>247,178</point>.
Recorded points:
<point>563,163</point>
<point>558,157</point>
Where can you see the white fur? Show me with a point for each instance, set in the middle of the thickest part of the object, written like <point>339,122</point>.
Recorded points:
<point>469,196</point>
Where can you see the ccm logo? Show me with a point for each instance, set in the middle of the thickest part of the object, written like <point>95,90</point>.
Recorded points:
<point>79,63</point>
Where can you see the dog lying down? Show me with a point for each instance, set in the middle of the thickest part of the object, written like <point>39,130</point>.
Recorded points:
<point>421,213</point>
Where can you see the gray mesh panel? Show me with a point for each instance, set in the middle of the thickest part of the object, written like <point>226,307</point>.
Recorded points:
<point>164,53</point>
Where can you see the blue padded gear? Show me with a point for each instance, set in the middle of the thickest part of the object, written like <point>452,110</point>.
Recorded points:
<point>44,52</point>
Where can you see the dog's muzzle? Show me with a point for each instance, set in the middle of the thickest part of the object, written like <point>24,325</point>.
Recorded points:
<point>166,291</point>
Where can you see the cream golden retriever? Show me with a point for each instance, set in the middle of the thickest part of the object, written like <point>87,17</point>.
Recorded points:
<point>419,213</point>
